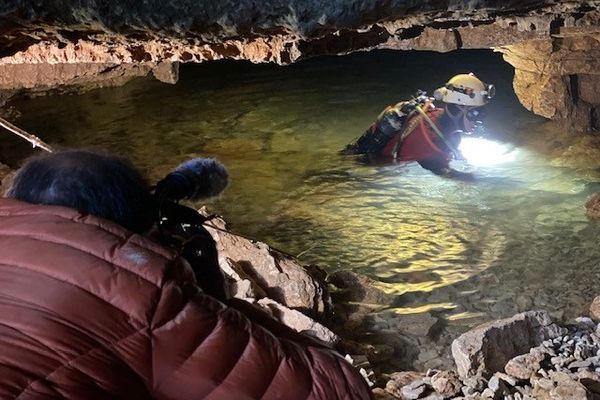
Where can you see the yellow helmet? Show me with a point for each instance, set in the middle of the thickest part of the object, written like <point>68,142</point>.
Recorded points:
<point>466,90</point>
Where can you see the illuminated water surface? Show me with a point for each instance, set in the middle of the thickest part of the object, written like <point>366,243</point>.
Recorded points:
<point>467,251</point>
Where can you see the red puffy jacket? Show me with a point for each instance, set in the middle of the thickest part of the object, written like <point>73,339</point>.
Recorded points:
<point>89,310</point>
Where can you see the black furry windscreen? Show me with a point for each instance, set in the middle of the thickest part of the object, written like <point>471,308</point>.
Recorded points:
<point>196,179</point>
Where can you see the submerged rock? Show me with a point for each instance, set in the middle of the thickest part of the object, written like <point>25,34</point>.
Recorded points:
<point>359,288</point>
<point>593,207</point>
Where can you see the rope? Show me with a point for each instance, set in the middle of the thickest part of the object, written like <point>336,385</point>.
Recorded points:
<point>34,140</point>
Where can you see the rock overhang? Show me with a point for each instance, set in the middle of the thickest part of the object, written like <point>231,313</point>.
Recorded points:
<point>552,45</point>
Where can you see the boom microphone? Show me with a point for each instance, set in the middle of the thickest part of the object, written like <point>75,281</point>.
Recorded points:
<point>199,178</point>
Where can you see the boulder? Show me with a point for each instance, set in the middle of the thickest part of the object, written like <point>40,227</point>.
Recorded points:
<point>415,390</point>
<point>239,284</point>
<point>487,348</point>
<point>298,321</point>
<point>277,275</point>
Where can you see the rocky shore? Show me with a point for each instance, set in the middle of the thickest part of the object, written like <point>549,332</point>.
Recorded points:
<point>527,356</point>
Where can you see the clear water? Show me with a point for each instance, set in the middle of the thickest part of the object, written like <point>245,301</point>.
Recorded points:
<point>514,237</point>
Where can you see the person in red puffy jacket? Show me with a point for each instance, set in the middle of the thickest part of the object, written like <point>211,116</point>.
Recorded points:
<point>90,309</point>
<point>418,131</point>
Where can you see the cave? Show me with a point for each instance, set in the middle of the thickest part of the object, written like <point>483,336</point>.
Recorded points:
<point>276,90</point>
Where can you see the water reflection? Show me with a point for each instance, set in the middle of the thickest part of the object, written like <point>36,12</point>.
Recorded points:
<point>513,237</point>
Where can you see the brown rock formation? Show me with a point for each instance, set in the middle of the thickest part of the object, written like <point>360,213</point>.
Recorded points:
<point>558,77</point>
<point>487,348</point>
<point>553,45</point>
<point>259,270</point>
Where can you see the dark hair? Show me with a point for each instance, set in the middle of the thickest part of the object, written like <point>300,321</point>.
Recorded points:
<point>90,181</point>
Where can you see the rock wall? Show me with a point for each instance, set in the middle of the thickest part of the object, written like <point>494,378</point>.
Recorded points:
<point>559,77</point>
<point>553,45</point>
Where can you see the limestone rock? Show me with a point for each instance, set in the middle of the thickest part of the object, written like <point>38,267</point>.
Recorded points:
<point>559,79</point>
<point>76,77</point>
<point>298,321</point>
<point>415,390</point>
<point>487,348</point>
<point>400,379</point>
<point>560,386</point>
<point>167,72</point>
<point>526,365</point>
<point>446,383</point>
<point>240,284</point>
<point>278,275</point>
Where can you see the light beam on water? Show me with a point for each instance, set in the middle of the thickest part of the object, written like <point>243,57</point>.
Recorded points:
<point>485,152</point>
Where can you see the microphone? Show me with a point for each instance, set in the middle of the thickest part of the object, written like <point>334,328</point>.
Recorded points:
<point>195,179</point>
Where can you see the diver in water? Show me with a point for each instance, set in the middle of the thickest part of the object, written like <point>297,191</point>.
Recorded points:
<point>416,130</point>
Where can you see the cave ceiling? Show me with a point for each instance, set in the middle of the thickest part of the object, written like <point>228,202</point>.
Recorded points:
<point>554,46</point>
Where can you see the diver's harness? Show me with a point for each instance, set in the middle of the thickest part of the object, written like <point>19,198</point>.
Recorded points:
<point>417,105</point>
<point>393,119</point>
